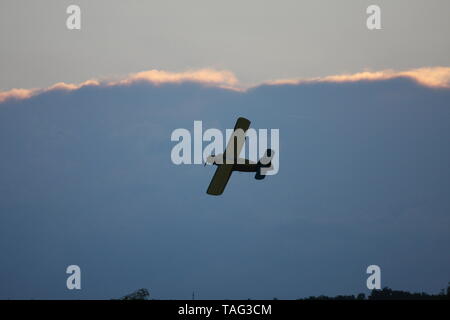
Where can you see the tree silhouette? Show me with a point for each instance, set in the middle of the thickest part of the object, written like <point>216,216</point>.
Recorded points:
<point>383,294</point>
<point>389,294</point>
<point>141,294</point>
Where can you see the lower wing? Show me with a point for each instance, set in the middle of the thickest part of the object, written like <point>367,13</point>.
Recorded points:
<point>220,179</point>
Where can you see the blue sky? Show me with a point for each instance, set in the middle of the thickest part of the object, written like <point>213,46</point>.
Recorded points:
<point>86,179</point>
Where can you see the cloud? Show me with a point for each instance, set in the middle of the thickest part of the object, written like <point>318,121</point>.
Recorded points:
<point>16,94</point>
<point>203,76</point>
<point>71,86</point>
<point>220,78</point>
<point>28,93</point>
<point>363,175</point>
<point>435,77</point>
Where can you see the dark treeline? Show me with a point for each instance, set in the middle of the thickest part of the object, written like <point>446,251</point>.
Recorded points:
<point>388,294</point>
<point>383,294</point>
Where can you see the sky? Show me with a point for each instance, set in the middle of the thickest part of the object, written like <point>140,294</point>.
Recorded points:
<point>86,176</point>
<point>257,40</point>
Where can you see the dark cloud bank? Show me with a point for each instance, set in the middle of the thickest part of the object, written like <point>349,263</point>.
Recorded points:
<point>86,178</point>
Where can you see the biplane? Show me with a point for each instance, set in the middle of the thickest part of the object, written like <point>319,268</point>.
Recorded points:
<point>229,161</point>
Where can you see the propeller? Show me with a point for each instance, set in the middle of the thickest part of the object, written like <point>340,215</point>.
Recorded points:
<point>212,155</point>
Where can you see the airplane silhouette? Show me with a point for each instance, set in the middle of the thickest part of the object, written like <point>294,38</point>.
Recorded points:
<point>229,161</point>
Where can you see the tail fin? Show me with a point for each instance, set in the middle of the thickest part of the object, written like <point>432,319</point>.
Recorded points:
<point>264,164</point>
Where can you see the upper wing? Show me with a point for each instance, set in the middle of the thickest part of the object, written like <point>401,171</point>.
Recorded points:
<point>224,171</point>
<point>237,139</point>
<point>220,179</point>
<point>242,123</point>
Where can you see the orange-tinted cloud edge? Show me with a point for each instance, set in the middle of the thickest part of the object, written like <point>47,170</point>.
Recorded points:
<point>434,77</point>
